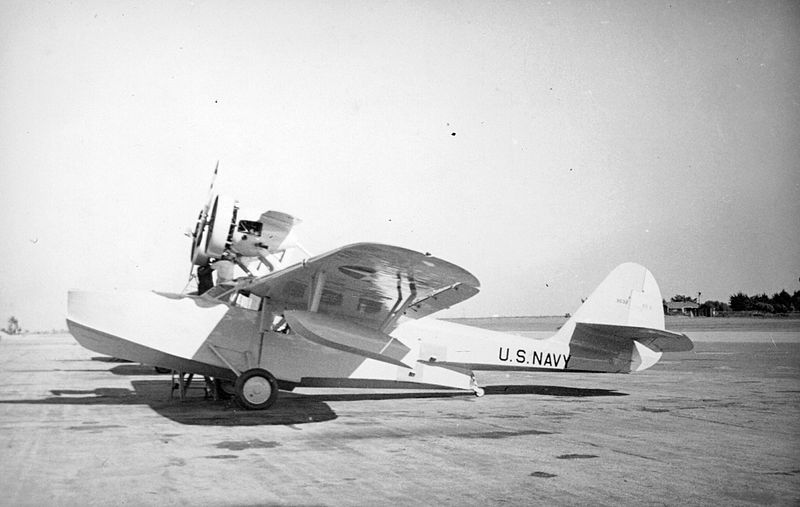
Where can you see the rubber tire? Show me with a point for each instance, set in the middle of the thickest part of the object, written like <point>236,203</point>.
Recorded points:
<point>249,387</point>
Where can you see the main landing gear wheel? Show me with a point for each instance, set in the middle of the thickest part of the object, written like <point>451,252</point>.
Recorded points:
<point>256,389</point>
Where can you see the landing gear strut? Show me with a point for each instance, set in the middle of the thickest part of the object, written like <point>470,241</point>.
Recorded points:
<point>256,389</point>
<point>478,390</point>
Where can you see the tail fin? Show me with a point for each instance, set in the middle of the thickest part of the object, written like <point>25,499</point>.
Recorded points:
<point>620,327</point>
<point>629,296</point>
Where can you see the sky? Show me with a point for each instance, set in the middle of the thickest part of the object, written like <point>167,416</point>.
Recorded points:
<point>536,144</point>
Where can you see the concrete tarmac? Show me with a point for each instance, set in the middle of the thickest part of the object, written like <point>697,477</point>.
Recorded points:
<point>716,426</point>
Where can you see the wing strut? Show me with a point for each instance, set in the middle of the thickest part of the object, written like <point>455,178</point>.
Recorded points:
<point>222,358</point>
<point>317,284</point>
<point>400,305</point>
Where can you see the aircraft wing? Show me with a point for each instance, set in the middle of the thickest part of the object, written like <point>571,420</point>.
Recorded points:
<point>371,283</point>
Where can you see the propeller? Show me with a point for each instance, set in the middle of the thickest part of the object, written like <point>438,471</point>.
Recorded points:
<point>198,255</point>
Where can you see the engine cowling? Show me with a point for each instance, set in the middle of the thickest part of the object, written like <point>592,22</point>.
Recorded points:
<point>221,223</point>
<point>214,229</point>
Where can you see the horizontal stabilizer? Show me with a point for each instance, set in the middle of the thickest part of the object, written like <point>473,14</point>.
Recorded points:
<point>342,334</point>
<point>654,339</point>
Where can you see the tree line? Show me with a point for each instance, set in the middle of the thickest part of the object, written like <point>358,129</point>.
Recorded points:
<point>13,326</point>
<point>780,302</point>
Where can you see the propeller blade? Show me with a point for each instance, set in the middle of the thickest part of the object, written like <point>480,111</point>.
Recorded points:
<point>197,255</point>
<point>211,187</point>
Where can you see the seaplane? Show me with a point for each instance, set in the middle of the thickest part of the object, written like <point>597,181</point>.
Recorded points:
<point>358,316</point>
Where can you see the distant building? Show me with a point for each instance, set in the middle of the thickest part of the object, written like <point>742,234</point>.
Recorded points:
<point>681,308</point>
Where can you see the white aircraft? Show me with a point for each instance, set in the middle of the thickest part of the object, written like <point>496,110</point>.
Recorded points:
<point>357,316</point>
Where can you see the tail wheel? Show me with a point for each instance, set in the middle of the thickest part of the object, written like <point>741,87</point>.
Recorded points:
<point>256,389</point>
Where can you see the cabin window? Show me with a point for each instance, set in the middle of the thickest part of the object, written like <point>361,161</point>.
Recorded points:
<point>368,306</point>
<point>331,298</point>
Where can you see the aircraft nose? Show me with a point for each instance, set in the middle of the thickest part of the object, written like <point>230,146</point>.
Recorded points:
<point>173,324</point>
<point>83,306</point>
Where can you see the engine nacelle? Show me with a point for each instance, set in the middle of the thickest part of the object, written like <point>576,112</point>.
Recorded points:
<point>270,232</point>
<point>224,231</point>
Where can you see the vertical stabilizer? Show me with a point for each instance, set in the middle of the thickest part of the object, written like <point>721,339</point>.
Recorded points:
<point>629,296</point>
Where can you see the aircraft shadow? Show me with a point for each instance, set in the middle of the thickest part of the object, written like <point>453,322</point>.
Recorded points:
<point>561,391</point>
<point>194,410</point>
<point>106,359</point>
<point>491,390</point>
<point>291,408</point>
<point>137,370</point>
